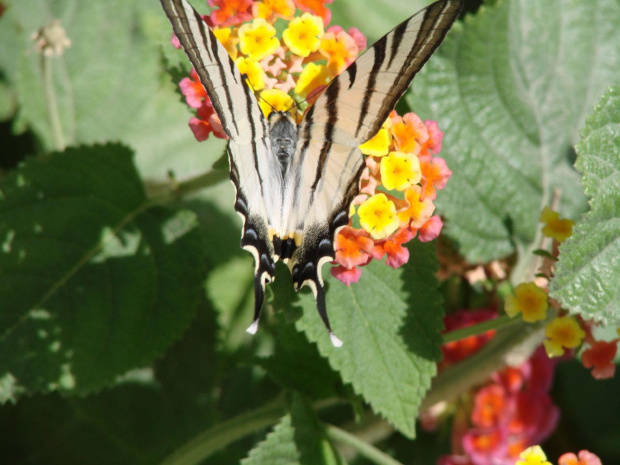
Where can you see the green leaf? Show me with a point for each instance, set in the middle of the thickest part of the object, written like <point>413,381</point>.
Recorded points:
<point>278,448</point>
<point>297,439</point>
<point>510,87</point>
<point>93,283</point>
<point>108,84</point>
<point>390,323</point>
<point>140,421</point>
<point>587,274</point>
<point>296,364</point>
<point>313,446</point>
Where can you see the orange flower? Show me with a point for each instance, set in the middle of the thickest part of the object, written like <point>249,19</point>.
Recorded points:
<point>419,211</point>
<point>340,50</point>
<point>600,357</point>
<point>435,175</point>
<point>353,247</point>
<point>409,132</point>
<point>316,7</point>
<point>229,12</point>
<point>272,9</point>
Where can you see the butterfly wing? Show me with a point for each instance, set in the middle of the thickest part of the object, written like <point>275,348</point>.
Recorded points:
<point>253,170</point>
<point>350,111</point>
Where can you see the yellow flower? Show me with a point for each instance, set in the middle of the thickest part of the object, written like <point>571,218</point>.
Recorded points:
<point>555,227</point>
<point>254,72</point>
<point>533,456</point>
<point>399,170</point>
<point>303,35</point>
<point>311,77</point>
<point>529,300</point>
<point>562,332</point>
<point>275,99</point>
<point>418,212</point>
<point>378,216</point>
<point>379,145</point>
<point>257,39</point>
<point>225,36</point>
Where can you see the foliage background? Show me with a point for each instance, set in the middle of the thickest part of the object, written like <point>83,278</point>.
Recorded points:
<point>123,306</point>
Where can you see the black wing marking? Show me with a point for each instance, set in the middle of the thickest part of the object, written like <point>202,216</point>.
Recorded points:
<point>349,112</point>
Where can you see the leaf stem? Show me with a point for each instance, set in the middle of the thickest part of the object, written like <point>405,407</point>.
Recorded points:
<point>512,345</point>
<point>52,103</point>
<point>364,448</point>
<point>221,435</point>
<point>479,328</point>
<point>173,191</point>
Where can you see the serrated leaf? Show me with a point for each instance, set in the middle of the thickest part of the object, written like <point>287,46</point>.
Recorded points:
<point>92,282</point>
<point>314,448</point>
<point>278,448</point>
<point>390,323</point>
<point>296,364</point>
<point>500,89</point>
<point>588,272</point>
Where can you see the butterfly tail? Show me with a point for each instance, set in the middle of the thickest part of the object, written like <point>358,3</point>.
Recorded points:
<point>259,295</point>
<point>320,305</point>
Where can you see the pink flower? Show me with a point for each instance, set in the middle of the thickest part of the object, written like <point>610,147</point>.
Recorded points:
<point>206,122</point>
<point>193,90</point>
<point>435,139</point>
<point>484,445</point>
<point>492,406</point>
<point>585,458</point>
<point>431,229</point>
<point>397,255</point>
<point>346,275</point>
<point>174,40</point>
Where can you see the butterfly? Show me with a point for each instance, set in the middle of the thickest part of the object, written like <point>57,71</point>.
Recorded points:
<point>294,182</point>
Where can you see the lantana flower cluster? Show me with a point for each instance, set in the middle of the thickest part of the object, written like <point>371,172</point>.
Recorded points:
<point>402,173</point>
<point>494,423</point>
<point>564,334</point>
<point>395,204</point>
<point>536,456</point>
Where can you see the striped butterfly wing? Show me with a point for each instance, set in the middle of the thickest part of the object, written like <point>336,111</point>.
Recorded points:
<point>349,112</point>
<point>295,216</point>
<point>254,171</point>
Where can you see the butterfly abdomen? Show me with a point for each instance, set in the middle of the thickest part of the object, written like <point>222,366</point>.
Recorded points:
<point>283,135</point>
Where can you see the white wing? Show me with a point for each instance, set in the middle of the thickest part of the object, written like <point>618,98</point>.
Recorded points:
<point>257,181</point>
<point>350,111</point>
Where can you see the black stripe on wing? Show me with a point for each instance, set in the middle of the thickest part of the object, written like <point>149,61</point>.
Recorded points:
<point>255,239</point>
<point>218,74</point>
<point>371,86</point>
<point>317,248</point>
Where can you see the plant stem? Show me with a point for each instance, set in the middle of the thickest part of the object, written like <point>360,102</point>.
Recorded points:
<point>511,345</point>
<point>364,448</point>
<point>479,328</point>
<point>221,435</point>
<point>51,102</point>
<point>173,191</point>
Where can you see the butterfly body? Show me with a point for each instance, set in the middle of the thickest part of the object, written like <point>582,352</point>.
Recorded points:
<point>294,183</point>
